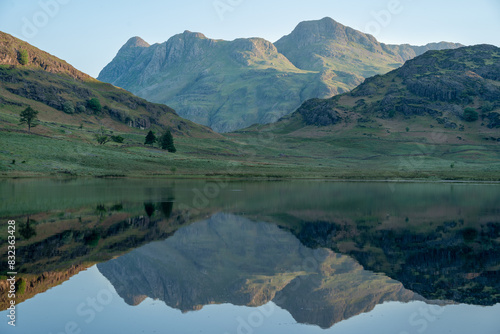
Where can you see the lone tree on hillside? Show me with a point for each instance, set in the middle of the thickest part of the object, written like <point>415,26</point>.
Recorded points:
<point>166,142</point>
<point>101,136</point>
<point>150,138</point>
<point>29,117</point>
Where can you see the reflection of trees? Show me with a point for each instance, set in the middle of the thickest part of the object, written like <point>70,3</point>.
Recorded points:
<point>166,208</point>
<point>149,208</point>
<point>27,231</point>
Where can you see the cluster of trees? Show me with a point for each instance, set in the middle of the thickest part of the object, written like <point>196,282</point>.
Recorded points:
<point>165,141</point>
<point>93,104</point>
<point>29,116</point>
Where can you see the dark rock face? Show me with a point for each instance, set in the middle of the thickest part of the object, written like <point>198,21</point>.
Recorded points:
<point>319,113</point>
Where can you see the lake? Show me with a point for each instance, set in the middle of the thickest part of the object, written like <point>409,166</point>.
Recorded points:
<point>203,256</point>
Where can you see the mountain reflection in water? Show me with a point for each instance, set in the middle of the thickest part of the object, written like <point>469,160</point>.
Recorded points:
<point>230,259</point>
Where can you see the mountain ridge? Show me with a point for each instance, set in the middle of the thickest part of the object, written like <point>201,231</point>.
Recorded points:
<point>229,85</point>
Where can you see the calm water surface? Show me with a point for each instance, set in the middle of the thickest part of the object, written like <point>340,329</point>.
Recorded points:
<point>159,256</point>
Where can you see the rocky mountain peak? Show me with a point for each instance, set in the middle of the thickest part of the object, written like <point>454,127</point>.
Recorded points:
<point>136,42</point>
<point>311,32</point>
<point>190,34</point>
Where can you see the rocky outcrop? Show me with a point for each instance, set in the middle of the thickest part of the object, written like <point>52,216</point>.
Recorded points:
<point>319,113</point>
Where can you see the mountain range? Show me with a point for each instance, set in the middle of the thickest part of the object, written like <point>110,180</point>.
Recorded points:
<point>229,85</point>
<point>437,116</point>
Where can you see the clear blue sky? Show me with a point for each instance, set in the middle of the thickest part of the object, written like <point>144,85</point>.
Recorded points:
<point>88,33</point>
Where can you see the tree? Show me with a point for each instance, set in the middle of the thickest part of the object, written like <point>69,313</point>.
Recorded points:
<point>166,142</point>
<point>101,136</point>
<point>470,115</point>
<point>94,104</point>
<point>29,117</point>
<point>23,57</point>
<point>150,138</point>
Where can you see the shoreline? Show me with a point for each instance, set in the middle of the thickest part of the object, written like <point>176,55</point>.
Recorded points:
<point>254,178</point>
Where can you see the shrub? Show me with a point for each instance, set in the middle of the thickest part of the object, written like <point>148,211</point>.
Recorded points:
<point>470,115</point>
<point>68,107</point>
<point>101,136</point>
<point>81,109</point>
<point>92,239</point>
<point>20,286</point>
<point>487,107</point>
<point>117,139</point>
<point>94,104</point>
<point>23,57</point>
<point>26,230</point>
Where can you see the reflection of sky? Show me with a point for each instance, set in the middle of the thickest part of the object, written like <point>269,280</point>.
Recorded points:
<point>52,311</point>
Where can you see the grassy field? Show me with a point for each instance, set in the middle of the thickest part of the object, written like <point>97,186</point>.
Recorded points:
<point>56,149</point>
<point>417,148</point>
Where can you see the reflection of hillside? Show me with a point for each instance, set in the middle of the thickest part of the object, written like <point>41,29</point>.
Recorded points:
<point>450,260</point>
<point>64,243</point>
<point>229,259</point>
<point>36,284</point>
